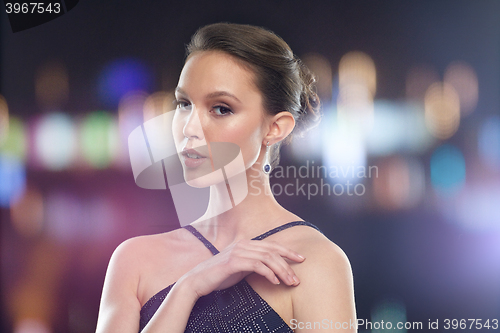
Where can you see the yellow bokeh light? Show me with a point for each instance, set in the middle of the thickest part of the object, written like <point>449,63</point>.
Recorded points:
<point>464,79</point>
<point>322,70</point>
<point>51,85</point>
<point>157,104</point>
<point>357,86</point>
<point>359,69</point>
<point>442,110</point>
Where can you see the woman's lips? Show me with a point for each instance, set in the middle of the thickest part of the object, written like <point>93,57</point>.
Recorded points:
<point>192,158</point>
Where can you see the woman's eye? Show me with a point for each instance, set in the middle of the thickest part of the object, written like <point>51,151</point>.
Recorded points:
<point>181,104</point>
<point>222,110</point>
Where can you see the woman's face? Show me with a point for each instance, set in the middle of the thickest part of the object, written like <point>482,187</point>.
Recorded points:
<point>217,101</point>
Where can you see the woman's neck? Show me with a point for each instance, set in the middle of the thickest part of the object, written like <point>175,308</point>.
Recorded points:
<point>256,213</point>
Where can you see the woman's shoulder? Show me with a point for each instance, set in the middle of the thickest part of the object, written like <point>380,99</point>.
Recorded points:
<point>316,247</point>
<point>311,241</point>
<point>151,244</point>
<point>141,250</point>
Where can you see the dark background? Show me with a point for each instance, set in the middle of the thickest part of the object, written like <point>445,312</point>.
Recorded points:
<point>416,257</point>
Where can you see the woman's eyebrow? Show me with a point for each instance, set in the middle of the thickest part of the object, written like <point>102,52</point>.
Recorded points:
<point>180,91</point>
<point>211,95</point>
<point>222,93</point>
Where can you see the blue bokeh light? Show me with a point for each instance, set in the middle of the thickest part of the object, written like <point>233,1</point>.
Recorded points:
<point>12,180</point>
<point>121,77</point>
<point>447,169</point>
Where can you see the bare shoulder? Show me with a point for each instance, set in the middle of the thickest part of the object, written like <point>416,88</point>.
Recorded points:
<point>128,267</point>
<point>137,255</point>
<point>326,289</point>
<point>319,249</point>
<point>313,245</point>
<point>140,247</point>
<point>127,260</point>
<point>323,257</point>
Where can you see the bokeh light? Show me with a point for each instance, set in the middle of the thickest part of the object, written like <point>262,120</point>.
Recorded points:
<point>63,216</point>
<point>463,78</point>
<point>99,139</point>
<point>344,151</point>
<point>121,77</point>
<point>12,180</point>
<point>447,167</point>
<point>35,295</point>
<point>400,183</point>
<point>398,127</point>
<point>130,116</point>
<point>15,144</point>
<point>418,80</point>
<point>357,86</point>
<point>69,218</point>
<point>442,110</point>
<point>4,120</point>
<point>357,68</point>
<point>489,141</point>
<point>55,141</point>
<point>27,213</point>
<point>389,310</point>
<point>322,70</point>
<point>157,104</point>
<point>476,208</point>
<point>52,85</point>
<point>309,147</point>
<point>31,325</point>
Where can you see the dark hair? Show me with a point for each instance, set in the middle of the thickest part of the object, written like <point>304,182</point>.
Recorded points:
<point>284,81</point>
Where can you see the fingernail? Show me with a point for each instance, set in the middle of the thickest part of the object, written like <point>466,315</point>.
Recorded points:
<point>276,280</point>
<point>301,257</point>
<point>296,280</point>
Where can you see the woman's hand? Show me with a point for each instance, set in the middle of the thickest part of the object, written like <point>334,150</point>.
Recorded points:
<point>234,263</point>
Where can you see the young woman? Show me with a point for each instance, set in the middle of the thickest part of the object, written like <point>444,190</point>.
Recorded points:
<point>242,85</point>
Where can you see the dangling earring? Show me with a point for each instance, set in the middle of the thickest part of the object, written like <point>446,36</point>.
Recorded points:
<point>266,165</point>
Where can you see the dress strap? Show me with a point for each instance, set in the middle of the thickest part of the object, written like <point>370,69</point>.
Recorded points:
<point>283,227</point>
<point>214,251</point>
<point>202,239</point>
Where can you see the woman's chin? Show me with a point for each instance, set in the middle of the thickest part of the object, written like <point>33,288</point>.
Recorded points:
<point>204,180</point>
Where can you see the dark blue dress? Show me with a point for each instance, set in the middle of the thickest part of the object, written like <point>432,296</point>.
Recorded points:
<point>236,309</point>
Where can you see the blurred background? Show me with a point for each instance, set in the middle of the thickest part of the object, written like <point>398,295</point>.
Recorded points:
<point>403,172</point>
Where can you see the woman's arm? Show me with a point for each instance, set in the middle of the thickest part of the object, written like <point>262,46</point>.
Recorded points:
<point>119,308</point>
<point>325,300</point>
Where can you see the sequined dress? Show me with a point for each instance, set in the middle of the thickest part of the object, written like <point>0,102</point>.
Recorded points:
<point>236,309</point>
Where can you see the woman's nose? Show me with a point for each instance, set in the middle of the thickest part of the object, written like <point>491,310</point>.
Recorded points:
<point>192,127</point>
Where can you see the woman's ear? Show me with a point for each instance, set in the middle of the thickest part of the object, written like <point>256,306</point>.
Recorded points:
<point>281,126</point>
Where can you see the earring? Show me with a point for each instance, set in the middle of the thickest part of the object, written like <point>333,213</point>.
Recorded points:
<point>266,165</point>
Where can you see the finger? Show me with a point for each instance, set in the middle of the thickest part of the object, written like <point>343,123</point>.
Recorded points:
<point>275,262</point>
<point>282,250</point>
<point>257,266</point>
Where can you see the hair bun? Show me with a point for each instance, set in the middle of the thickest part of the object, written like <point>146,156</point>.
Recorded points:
<point>310,104</point>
